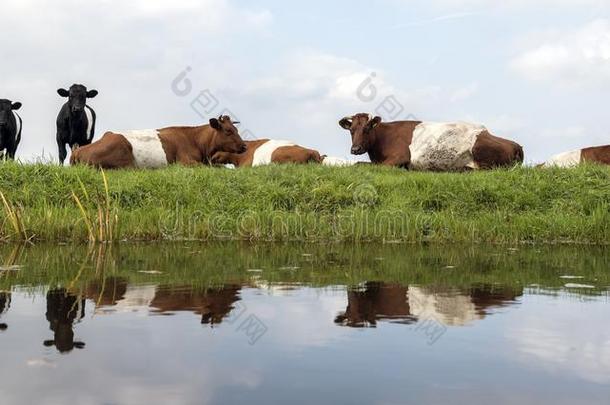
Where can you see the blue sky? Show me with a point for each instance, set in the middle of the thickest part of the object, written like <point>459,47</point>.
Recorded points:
<point>537,72</point>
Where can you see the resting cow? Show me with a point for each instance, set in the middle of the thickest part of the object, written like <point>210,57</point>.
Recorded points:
<point>599,154</point>
<point>76,120</point>
<point>10,128</point>
<point>158,148</point>
<point>429,146</point>
<point>265,152</point>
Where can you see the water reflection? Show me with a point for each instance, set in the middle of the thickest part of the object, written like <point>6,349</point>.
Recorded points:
<point>332,315</point>
<point>63,311</point>
<point>116,295</point>
<point>213,305</point>
<point>376,302</point>
<point>5,303</point>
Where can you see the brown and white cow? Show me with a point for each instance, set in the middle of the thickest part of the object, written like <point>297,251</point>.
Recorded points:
<point>158,148</point>
<point>598,154</point>
<point>429,146</point>
<point>265,152</point>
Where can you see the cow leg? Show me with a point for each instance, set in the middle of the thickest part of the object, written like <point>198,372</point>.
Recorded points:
<point>63,152</point>
<point>11,152</point>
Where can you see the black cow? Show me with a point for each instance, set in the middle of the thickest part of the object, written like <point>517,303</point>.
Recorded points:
<point>76,120</point>
<point>5,303</point>
<point>10,128</point>
<point>63,310</point>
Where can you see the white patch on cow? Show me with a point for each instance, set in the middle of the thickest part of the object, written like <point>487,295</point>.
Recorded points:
<point>89,115</point>
<point>336,161</point>
<point>447,308</point>
<point>18,122</point>
<point>137,299</point>
<point>264,153</point>
<point>568,159</point>
<point>147,148</point>
<point>444,146</point>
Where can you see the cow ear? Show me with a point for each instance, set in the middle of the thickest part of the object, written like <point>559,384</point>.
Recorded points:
<point>375,121</point>
<point>92,93</point>
<point>16,106</point>
<point>346,123</point>
<point>214,123</point>
<point>63,92</point>
<point>49,343</point>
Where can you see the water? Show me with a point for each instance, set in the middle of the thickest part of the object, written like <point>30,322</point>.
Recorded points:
<point>304,324</point>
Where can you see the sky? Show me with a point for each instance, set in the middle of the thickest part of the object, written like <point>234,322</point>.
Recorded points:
<point>537,72</point>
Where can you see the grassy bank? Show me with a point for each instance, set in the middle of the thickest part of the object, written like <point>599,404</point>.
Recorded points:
<point>312,203</point>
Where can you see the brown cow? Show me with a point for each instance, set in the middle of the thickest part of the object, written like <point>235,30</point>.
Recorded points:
<point>599,154</point>
<point>214,304</point>
<point>377,302</point>
<point>429,146</point>
<point>154,149</point>
<point>265,151</point>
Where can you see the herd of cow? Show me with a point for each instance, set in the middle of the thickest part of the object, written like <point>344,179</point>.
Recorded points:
<point>406,144</point>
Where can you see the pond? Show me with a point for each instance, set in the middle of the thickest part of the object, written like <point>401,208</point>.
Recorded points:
<point>304,324</point>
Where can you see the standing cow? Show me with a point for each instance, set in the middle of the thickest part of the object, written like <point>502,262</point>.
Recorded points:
<point>76,120</point>
<point>429,146</point>
<point>158,148</point>
<point>10,128</point>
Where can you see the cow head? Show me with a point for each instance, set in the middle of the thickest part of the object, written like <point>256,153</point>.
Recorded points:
<point>227,137</point>
<point>6,110</point>
<point>362,127</point>
<point>77,96</point>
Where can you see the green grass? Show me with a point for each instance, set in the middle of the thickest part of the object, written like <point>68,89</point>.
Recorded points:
<point>212,265</point>
<point>306,203</point>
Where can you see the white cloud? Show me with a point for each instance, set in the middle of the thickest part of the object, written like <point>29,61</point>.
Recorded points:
<point>562,340</point>
<point>580,57</point>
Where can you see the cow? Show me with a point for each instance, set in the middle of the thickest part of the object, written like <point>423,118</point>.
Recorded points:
<point>63,310</point>
<point>265,152</point>
<point>430,146</point>
<point>5,303</point>
<point>158,148</point>
<point>76,120</point>
<point>213,304</point>
<point>598,154</point>
<point>10,128</point>
<point>376,302</point>
<point>339,162</point>
<point>382,302</point>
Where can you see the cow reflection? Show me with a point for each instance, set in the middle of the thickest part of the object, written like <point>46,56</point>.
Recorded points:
<point>376,302</point>
<point>5,303</point>
<point>63,310</point>
<point>108,292</point>
<point>400,304</point>
<point>213,304</point>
